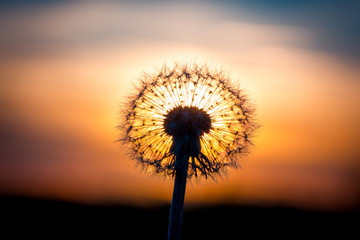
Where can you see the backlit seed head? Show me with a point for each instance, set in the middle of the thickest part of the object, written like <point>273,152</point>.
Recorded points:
<point>191,111</point>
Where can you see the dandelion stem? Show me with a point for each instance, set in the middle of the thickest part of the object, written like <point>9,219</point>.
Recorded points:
<point>177,204</point>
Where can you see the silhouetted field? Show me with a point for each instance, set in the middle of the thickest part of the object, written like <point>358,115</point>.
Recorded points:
<point>51,219</point>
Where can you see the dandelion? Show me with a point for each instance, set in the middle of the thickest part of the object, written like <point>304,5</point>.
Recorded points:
<point>186,122</point>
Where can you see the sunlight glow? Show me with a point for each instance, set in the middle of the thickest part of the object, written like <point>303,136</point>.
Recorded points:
<point>189,86</point>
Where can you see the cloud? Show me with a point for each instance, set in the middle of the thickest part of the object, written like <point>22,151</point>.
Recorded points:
<point>44,26</point>
<point>334,24</point>
<point>77,25</point>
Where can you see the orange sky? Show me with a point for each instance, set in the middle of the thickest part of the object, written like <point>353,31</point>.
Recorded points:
<point>60,106</point>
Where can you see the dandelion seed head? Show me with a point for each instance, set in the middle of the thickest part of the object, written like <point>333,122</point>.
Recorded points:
<point>188,109</point>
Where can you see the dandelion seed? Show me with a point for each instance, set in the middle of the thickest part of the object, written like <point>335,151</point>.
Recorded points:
<point>184,122</point>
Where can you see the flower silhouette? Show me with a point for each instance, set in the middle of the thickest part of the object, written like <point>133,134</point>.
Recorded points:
<point>189,111</point>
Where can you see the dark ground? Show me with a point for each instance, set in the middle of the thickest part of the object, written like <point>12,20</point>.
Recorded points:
<point>39,218</point>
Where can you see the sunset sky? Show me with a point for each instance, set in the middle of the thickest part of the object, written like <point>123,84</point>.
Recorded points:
<point>67,66</point>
